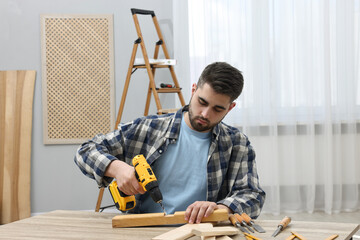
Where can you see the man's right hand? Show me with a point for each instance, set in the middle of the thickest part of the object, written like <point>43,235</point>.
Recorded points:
<point>125,177</point>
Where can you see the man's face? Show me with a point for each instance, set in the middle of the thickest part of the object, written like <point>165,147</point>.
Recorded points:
<point>207,108</point>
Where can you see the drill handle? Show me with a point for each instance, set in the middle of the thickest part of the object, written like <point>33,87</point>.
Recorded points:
<point>137,176</point>
<point>122,194</point>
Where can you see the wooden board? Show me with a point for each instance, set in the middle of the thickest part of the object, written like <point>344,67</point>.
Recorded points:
<point>223,238</point>
<point>208,237</point>
<point>182,232</point>
<point>156,219</point>
<point>216,231</point>
<point>16,104</point>
<point>77,77</point>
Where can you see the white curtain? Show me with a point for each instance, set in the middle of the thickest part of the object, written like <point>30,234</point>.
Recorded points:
<point>300,105</point>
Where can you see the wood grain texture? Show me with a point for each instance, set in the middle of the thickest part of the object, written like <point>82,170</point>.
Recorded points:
<point>250,236</point>
<point>332,237</point>
<point>223,238</point>
<point>157,219</point>
<point>92,225</point>
<point>208,237</point>
<point>300,237</point>
<point>17,92</point>
<point>291,237</point>
<point>216,231</point>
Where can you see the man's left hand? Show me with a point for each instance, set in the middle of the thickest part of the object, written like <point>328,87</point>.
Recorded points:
<point>200,209</point>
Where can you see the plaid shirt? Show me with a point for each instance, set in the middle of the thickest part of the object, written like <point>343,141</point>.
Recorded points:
<point>232,175</point>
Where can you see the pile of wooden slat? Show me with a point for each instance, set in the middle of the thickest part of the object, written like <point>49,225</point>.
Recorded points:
<point>204,230</point>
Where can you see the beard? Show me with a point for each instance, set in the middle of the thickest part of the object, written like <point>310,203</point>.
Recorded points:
<point>199,126</point>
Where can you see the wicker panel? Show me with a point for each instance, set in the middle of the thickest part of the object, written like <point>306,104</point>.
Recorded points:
<point>78,79</point>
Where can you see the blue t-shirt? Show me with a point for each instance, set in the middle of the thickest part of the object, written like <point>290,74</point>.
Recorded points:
<point>181,172</point>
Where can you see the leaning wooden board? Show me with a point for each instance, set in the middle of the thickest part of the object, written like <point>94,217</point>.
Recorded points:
<point>157,219</point>
<point>16,104</point>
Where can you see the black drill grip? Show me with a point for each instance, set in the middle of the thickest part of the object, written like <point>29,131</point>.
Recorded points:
<point>143,12</point>
<point>154,191</point>
<point>122,194</point>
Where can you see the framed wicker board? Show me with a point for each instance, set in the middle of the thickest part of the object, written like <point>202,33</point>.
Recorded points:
<point>77,77</point>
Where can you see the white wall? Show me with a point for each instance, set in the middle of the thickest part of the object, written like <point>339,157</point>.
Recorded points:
<point>56,182</point>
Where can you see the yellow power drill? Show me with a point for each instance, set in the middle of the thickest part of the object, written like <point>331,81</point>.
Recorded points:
<point>147,180</point>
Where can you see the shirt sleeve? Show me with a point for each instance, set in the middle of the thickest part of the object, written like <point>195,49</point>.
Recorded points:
<point>245,193</point>
<point>94,156</point>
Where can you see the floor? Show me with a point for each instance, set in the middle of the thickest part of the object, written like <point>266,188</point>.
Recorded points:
<point>345,217</point>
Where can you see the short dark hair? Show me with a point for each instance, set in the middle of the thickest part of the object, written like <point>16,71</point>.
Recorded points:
<point>223,78</point>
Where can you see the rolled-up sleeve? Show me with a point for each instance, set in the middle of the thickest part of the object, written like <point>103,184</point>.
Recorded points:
<point>94,156</point>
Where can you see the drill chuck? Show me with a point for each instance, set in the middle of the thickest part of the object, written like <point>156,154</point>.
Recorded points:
<point>154,191</point>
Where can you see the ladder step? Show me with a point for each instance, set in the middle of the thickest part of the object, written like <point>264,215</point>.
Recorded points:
<point>166,62</point>
<point>151,65</point>
<point>165,111</point>
<point>168,90</point>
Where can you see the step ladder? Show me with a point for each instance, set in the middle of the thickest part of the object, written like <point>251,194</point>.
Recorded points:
<point>150,65</point>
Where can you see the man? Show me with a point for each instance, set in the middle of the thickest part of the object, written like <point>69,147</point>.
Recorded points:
<point>201,163</point>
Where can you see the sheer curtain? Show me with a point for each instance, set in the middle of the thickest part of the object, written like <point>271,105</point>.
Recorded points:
<point>301,101</point>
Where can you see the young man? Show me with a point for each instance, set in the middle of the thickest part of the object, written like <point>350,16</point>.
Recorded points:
<point>200,162</point>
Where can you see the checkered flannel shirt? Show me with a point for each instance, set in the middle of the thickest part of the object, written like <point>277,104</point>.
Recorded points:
<point>232,175</point>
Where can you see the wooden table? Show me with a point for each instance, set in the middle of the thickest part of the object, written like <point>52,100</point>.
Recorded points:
<point>93,225</point>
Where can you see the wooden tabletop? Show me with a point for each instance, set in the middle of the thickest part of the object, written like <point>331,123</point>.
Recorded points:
<point>91,225</point>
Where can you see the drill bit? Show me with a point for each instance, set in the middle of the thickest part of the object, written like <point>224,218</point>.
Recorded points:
<point>162,206</point>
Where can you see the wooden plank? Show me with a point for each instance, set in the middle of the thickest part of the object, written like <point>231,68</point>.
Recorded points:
<point>208,237</point>
<point>291,237</point>
<point>16,126</point>
<point>298,235</point>
<point>182,232</point>
<point>24,177</point>
<point>216,231</point>
<point>252,237</point>
<point>332,237</point>
<point>155,219</point>
<point>223,238</point>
